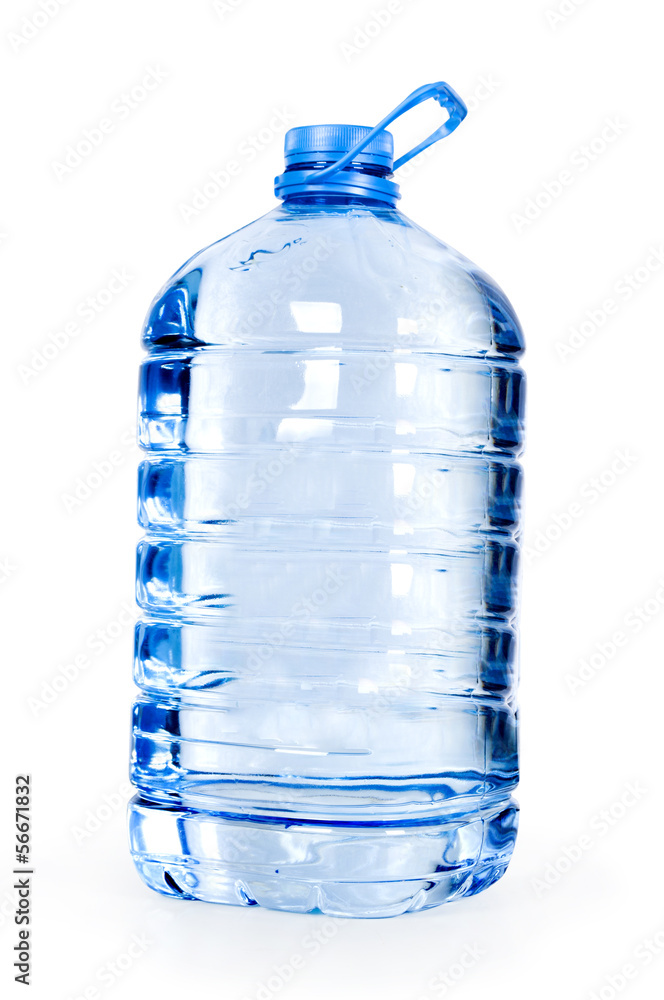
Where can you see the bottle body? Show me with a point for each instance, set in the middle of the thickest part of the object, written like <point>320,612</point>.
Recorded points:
<point>331,411</point>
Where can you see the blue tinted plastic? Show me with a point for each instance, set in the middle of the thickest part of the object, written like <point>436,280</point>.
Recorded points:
<point>331,412</point>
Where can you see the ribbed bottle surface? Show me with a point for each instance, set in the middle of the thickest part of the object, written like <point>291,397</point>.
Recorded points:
<point>330,410</point>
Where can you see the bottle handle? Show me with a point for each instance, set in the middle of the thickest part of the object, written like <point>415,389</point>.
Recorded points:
<point>441,92</point>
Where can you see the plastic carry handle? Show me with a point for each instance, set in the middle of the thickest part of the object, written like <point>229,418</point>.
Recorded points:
<point>441,92</point>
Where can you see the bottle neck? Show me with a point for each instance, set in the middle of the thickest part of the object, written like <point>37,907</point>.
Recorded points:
<point>335,201</point>
<point>356,184</point>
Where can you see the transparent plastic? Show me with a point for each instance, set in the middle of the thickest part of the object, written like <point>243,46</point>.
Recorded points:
<point>331,413</point>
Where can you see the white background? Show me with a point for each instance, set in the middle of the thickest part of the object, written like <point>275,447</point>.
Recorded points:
<point>541,89</point>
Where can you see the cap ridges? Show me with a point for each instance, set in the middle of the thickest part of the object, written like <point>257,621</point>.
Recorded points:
<point>332,141</point>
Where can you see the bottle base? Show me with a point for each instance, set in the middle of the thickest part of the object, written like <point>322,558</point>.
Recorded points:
<point>307,868</point>
<point>185,880</point>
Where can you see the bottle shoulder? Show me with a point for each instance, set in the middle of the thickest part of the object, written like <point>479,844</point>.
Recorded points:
<point>300,277</point>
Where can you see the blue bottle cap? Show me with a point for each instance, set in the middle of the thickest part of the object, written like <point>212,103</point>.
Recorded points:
<point>316,143</point>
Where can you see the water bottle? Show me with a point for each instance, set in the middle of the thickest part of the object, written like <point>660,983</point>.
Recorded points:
<point>331,412</point>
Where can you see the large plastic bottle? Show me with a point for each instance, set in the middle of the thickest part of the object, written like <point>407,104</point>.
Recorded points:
<point>330,409</point>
